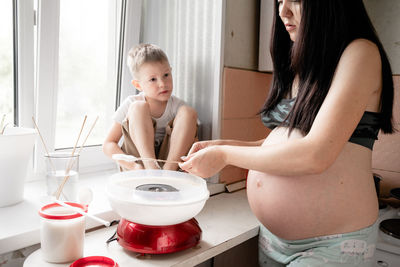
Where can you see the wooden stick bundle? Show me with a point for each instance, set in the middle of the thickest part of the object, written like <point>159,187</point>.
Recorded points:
<point>72,160</point>
<point>160,160</point>
<point>1,124</point>
<point>44,144</point>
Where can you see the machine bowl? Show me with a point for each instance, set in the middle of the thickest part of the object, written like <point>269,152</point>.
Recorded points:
<point>156,197</point>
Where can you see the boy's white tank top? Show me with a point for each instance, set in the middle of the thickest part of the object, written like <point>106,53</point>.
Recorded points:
<point>169,114</point>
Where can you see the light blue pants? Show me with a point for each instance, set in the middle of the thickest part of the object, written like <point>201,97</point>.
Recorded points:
<point>349,249</point>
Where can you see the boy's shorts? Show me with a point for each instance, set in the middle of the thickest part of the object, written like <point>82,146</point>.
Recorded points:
<point>349,249</point>
<point>161,150</point>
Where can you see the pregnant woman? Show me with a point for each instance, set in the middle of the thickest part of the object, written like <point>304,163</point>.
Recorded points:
<point>310,182</point>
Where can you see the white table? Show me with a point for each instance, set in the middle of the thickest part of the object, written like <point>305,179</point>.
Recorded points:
<point>226,221</point>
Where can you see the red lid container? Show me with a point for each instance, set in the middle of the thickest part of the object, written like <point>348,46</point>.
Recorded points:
<point>61,216</point>
<point>100,261</point>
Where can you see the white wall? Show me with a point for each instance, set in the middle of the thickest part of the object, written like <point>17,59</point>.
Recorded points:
<point>189,31</point>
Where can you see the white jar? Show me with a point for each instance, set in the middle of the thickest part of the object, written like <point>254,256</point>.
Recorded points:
<point>62,233</point>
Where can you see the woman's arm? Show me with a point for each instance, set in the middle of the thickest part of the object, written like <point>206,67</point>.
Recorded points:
<point>355,86</point>
<point>203,144</point>
<point>243,143</point>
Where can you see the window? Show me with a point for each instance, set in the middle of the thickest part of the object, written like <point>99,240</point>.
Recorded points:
<point>6,62</point>
<point>88,54</point>
<point>80,45</point>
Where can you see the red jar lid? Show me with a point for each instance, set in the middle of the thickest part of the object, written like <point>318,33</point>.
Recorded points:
<point>100,261</point>
<point>61,216</point>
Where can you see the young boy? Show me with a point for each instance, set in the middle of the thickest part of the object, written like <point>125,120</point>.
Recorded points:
<point>154,123</point>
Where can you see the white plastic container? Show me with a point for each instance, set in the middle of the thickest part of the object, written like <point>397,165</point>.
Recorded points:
<point>156,206</point>
<point>62,233</point>
<point>16,150</point>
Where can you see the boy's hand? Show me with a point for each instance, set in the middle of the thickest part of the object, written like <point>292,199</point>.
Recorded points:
<point>130,165</point>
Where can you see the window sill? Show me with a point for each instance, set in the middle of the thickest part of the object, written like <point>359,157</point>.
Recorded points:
<point>20,223</point>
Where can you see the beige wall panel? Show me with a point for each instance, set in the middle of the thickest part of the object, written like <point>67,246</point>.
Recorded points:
<point>241,33</point>
<point>244,92</point>
<point>249,129</point>
<point>232,174</point>
<point>244,129</point>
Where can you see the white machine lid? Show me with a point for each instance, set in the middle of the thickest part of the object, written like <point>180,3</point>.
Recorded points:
<point>157,187</point>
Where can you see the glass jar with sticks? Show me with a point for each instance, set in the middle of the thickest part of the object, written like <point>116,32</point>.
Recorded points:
<point>60,165</point>
<point>62,174</point>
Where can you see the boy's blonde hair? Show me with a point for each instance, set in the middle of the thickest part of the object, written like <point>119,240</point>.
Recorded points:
<point>143,53</point>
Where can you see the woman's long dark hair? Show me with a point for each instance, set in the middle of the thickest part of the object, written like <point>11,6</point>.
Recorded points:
<point>327,27</point>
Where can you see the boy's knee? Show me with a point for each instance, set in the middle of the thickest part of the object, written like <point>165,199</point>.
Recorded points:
<point>187,112</point>
<point>138,107</point>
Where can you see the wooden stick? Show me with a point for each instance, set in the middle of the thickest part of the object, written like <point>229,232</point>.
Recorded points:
<point>161,160</point>
<point>4,128</point>
<point>131,158</point>
<point>79,136</point>
<point>87,136</point>
<point>1,124</point>
<point>84,141</point>
<point>80,149</point>
<point>70,163</point>
<point>44,144</point>
<point>73,160</point>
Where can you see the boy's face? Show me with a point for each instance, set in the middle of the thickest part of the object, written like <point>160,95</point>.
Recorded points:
<point>155,80</point>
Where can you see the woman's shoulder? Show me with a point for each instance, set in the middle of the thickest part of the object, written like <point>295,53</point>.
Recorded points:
<point>364,48</point>
<point>359,68</point>
<point>361,54</point>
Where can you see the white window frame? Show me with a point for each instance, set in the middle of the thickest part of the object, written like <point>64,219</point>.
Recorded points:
<point>24,47</point>
<point>25,63</point>
<point>92,158</point>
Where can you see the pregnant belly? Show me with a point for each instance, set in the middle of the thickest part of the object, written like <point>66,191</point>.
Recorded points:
<point>341,199</point>
<point>286,206</point>
<point>316,205</point>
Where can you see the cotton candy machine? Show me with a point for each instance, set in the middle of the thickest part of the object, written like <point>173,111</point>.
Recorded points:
<point>157,209</point>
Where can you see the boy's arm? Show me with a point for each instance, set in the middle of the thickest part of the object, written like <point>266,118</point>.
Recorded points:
<point>110,145</point>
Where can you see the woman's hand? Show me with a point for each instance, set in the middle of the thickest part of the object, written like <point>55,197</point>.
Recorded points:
<point>203,144</point>
<point>204,159</point>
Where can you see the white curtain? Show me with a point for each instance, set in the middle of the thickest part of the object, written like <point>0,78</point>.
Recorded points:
<point>187,31</point>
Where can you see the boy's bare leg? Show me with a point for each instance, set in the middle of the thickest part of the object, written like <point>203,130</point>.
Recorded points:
<point>182,136</point>
<point>142,132</point>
